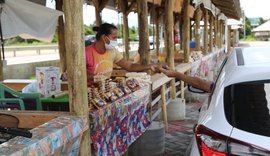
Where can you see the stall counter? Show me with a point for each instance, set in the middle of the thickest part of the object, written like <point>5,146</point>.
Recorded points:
<point>60,136</point>
<point>115,127</point>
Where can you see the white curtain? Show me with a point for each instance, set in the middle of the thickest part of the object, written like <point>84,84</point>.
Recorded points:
<point>28,20</point>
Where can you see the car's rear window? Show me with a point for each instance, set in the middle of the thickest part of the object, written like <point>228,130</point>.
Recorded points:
<point>247,106</point>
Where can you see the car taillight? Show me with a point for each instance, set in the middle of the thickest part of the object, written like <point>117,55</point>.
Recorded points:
<point>211,143</point>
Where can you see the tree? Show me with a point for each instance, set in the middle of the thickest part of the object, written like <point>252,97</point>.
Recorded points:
<point>248,29</point>
<point>261,21</point>
<point>88,30</point>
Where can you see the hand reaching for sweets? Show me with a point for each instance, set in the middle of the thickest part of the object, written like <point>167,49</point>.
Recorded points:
<point>165,70</point>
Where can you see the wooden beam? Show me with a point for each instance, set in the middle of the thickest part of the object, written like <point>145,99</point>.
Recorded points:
<point>32,119</point>
<point>102,4</point>
<point>205,36</point>
<point>158,80</point>
<point>130,7</point>
<point>143,32</point>
<point>186,31</point>
<point>198,13</point>
<point>76,66</point>
<point>61,37</point>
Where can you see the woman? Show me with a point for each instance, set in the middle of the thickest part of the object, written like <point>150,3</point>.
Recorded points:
<point>101,55</point>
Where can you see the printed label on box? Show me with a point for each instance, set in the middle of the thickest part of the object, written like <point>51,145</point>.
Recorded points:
<point>48,79</point>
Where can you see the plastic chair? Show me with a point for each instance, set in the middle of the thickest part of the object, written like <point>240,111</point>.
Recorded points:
<point>26,101</point>
<point>11,103</point>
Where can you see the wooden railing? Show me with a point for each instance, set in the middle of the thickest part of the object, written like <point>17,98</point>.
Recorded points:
<point>162,91</point>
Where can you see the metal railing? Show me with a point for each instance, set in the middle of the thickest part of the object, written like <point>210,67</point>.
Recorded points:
<point>37,49</point>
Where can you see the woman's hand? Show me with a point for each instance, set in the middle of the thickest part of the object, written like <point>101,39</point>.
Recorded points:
<point>154,68</point>
<point>167,71</point>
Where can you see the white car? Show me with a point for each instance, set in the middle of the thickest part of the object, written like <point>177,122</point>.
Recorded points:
<point>236,119</point>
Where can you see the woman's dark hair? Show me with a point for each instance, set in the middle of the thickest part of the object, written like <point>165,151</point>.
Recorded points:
<point>104,28</point>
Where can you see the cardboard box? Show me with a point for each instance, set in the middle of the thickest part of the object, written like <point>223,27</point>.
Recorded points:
<point>48,79</point>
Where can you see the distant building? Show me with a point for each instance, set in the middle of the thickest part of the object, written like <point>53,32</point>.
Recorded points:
<point>262,32</point>
<point>254,22</point>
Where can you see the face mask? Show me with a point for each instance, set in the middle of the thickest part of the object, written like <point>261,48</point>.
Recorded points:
<point>111,45</point>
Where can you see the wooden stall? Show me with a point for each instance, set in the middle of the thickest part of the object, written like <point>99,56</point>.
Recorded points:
<point>73,60</point>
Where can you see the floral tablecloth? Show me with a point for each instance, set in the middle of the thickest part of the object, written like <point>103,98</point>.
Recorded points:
<point>61,136</point>
<point>119,124</point>
<point>211,62</point>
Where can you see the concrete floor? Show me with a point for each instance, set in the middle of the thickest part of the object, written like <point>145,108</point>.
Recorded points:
<point>180,132</point>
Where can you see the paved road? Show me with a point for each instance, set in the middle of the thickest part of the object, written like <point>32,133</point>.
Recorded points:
<point>254,44</point>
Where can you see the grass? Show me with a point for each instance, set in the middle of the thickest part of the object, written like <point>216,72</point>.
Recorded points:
<point>248,38</point>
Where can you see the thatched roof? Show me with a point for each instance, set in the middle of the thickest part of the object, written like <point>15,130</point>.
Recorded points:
<point>231,8</point>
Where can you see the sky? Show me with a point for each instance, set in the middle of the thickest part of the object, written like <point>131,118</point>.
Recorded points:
<point>109,16</point>
<point>256,8</point>
<point>252,8</point>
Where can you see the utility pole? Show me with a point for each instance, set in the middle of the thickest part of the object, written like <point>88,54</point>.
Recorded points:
<point>244,17</point>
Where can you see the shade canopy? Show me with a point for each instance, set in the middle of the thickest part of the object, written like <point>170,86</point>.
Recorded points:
<point>28,20</point>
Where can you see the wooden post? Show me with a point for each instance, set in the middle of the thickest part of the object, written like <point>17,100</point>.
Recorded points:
<point>99,6</point>
<point>164,107</point>
<point>211,33</point>
<point>126,35</point>
<point>169,43</point>
<point>182,85</point>
<point>61,37</point>
<point>181,31</point>
<point>215,27</point>
<point>234,38</point>
<point>205,35</point>
<point>126,9</point>
<point>76,68</point>
<point>218,34</point>
<point>124,5</point>
<point>98,17</point>
<point>143,32</point>
<point>221,34</point>
<point>197,28</point>
<point>186,31</point>
<point>229,39</point>
<point>157,20</point>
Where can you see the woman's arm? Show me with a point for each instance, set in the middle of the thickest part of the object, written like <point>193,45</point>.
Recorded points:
<point>134,67</point>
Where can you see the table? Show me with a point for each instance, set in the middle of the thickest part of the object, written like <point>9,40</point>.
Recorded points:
<point>60,136</point>
<point>120,123</point>
<point>55,104</point>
